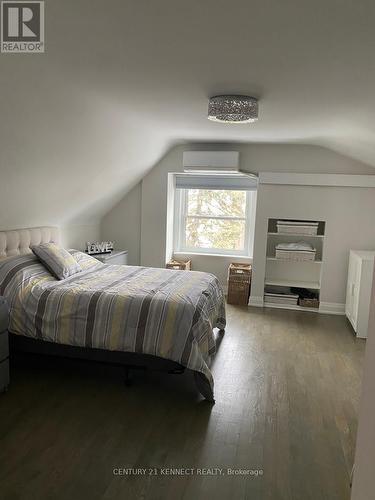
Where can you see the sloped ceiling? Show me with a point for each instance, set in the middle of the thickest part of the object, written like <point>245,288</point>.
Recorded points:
<point>123,80</point>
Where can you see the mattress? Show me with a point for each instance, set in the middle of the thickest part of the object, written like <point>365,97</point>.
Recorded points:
<point>165,313</point>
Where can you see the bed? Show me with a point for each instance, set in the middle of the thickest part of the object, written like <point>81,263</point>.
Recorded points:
<point>128,315</point>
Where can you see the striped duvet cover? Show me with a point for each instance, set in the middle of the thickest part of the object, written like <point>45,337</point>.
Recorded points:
<point>165,313</point>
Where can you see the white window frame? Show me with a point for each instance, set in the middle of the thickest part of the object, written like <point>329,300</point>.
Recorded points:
<point>180,215</point>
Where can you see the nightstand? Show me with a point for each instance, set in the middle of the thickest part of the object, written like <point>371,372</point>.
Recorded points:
<point>4,345</point>
<point>116,257</point>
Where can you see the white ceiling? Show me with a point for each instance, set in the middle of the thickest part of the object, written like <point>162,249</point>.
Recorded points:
<point>122,80</point>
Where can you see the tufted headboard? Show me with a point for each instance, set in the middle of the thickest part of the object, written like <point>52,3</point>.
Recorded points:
<point>18,241</point>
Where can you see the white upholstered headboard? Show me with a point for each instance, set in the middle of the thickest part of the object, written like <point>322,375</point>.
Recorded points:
<point>18,241</point>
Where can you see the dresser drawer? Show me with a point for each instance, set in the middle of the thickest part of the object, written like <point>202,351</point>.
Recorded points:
<point>4,346</point>
<point>121,260</point>
<point>118,257</point>
<point>4,375</point>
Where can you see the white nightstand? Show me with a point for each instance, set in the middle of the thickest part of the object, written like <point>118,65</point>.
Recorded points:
<point>116,257</point>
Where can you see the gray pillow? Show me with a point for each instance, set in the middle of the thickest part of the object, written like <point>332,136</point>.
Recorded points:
<point>57,260</point>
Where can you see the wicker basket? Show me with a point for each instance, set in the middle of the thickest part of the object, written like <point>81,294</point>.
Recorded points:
<point>239,282</point>
<point>181,265</point>
<point>296,255</point>
<point>305,229</point>
<point>309,303</point>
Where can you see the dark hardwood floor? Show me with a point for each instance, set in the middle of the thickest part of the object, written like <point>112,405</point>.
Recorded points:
<point>287,392</point>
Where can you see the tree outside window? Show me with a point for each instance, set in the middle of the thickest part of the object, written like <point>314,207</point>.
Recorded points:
<point>213,220</point>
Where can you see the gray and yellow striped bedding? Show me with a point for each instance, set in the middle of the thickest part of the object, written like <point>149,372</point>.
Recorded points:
<point>165,313</point>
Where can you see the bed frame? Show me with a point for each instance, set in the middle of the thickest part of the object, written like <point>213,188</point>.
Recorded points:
<point>129,361</point>
<point>18,242</point>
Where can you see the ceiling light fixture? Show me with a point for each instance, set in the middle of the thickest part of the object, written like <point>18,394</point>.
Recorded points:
<point>233,109</point>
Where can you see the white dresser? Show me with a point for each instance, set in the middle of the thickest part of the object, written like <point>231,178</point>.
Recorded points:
<point>358,292</point>
<point>116,257</point>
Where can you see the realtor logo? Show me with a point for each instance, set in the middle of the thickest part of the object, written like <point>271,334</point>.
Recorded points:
<point>22,27</point>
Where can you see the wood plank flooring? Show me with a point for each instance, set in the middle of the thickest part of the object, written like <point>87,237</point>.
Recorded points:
<point>287,393</point>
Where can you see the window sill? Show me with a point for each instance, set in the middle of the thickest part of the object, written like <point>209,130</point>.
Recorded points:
<point>204,254</point>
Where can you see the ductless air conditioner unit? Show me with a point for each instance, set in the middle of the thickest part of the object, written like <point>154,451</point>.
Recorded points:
<point>211,161</point>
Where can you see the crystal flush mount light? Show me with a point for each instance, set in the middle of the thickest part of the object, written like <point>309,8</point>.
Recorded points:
<point>233,109</point>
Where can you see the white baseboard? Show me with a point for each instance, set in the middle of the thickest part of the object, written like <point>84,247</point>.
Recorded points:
<point>256,301</point>
<point>332,308</point>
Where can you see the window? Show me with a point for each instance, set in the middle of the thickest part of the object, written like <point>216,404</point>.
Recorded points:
<point>216,221</point>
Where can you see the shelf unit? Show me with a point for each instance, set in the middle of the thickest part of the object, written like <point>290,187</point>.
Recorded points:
<point>284,274</point>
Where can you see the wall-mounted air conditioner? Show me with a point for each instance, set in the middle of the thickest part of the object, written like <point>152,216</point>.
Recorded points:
<point>211,161</point>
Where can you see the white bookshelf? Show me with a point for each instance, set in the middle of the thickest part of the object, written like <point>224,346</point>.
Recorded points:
<point>287,274</point>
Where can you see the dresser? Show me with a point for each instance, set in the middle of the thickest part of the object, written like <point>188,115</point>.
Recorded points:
<point>358,291</point>
<point>4,346</point>
<point>119,257</point>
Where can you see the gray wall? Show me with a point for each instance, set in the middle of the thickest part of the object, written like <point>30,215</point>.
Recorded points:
<point>147,203</point>
<point>123,225</point>
<point>75,236</point>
